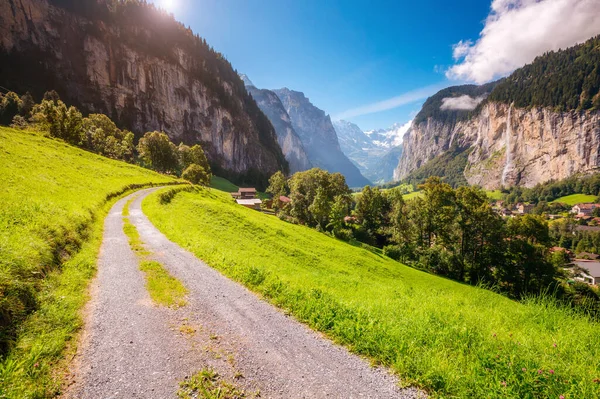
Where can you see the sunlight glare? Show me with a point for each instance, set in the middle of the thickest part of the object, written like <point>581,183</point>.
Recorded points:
<point>167,5</point>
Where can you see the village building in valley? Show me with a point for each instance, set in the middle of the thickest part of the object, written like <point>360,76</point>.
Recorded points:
<point>581,210</point>
<point>590,271</point>
<point>247,197</point>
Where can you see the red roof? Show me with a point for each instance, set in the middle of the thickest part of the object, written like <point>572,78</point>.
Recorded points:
<point>587,206</point>
<point>285,199</point>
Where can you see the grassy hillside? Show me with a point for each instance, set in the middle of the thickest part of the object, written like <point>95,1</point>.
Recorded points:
<point>575,199</point>
<point>454,340</point>
<point>53,198</point>
<point>223,184</point>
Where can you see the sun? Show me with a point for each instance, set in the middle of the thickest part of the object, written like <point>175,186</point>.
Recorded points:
<point>167,5</point>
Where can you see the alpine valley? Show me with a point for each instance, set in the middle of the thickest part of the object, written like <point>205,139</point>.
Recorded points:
<point>376,152</point>
<point>305,132</point>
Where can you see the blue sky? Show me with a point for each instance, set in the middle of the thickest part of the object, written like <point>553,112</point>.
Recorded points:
<point>348,55</point>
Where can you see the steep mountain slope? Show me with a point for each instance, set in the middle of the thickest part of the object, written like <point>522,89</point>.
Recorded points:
<point>434,130</point>
<point>141,68</point>
<point>319,137</point>
<point>288,139</point>
<point>376,152</point>
<point>540,123</point>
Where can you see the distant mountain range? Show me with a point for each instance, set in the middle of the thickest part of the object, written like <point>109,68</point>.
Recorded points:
<point>376,152</point>
<point>305,132</point>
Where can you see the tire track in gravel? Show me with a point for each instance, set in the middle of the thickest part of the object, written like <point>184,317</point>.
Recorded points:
<point>133,349</point>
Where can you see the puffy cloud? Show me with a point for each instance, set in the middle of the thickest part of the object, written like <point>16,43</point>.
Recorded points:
<point>516,31</point>
<point>462,103</point>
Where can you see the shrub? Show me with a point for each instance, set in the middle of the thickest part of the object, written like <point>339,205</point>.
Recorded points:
<point>19,123</point>
<point>196,174</point>
<point>392,251</point>
<point>343,234</point>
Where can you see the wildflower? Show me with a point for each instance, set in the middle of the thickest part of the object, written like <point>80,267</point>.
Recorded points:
<point>540,371</point>
<point>36,365</point>
<point>494,335</point>
<point>503,383</point>
<point>561,397</point>
<point>551,371</point>
<point>554,344</point>
<point>524,369</point>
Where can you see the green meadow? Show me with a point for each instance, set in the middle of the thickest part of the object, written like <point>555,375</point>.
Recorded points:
<point>575,199</point>
<point>453,340</point>
<point>54,198</point>
<point>223,184</point>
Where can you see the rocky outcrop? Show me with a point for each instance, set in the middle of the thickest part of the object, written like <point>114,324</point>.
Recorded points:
<point>288,139</point>
<point>510,146</point>
<point>319,137</point>
<point>375,153</point>
<point>142,69</point>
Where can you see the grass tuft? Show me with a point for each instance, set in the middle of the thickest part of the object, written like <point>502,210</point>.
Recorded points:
<point>164,289</point>
<point>207,384</point>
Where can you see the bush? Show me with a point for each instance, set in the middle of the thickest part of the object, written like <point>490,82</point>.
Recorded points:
<point>393,251</point>
<point>196,174</point>
<point>19,123</point>
<point>343,234</point>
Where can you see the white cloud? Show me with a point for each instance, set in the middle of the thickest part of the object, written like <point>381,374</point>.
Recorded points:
<point>516,31</point>
<point>395,102</point>
<point>462,103</point>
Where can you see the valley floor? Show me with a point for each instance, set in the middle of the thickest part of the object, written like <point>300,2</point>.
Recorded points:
<point>133,348</point>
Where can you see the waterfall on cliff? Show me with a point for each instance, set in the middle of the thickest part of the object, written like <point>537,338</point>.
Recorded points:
<point>508,165</point>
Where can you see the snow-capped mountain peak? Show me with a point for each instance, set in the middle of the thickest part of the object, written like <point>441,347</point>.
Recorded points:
<point>391,137</point>
<point>375,152</point>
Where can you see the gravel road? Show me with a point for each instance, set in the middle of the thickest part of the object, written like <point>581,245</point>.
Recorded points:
<point>133,349</point>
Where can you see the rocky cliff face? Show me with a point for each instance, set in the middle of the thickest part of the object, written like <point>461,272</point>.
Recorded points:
<point>290,143</point>
<point>510,146</point>
<point>143,70</point>
<point>515,146</point>
<point>319,137</point>
<point>375,153</point>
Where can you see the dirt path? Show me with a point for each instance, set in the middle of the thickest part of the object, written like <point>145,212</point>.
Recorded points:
<point>134,349</point>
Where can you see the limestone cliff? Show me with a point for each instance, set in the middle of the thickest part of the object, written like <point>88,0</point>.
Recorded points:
<point>141,68</point>
<point>514,146</point>
<point>540,123</point>
<point>510,146</point>
<point>290,143</point>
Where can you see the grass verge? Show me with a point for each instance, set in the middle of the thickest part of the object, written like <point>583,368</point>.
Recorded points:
<point>452,339</point>
<point>54,198</point>
<point>37,365</point>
